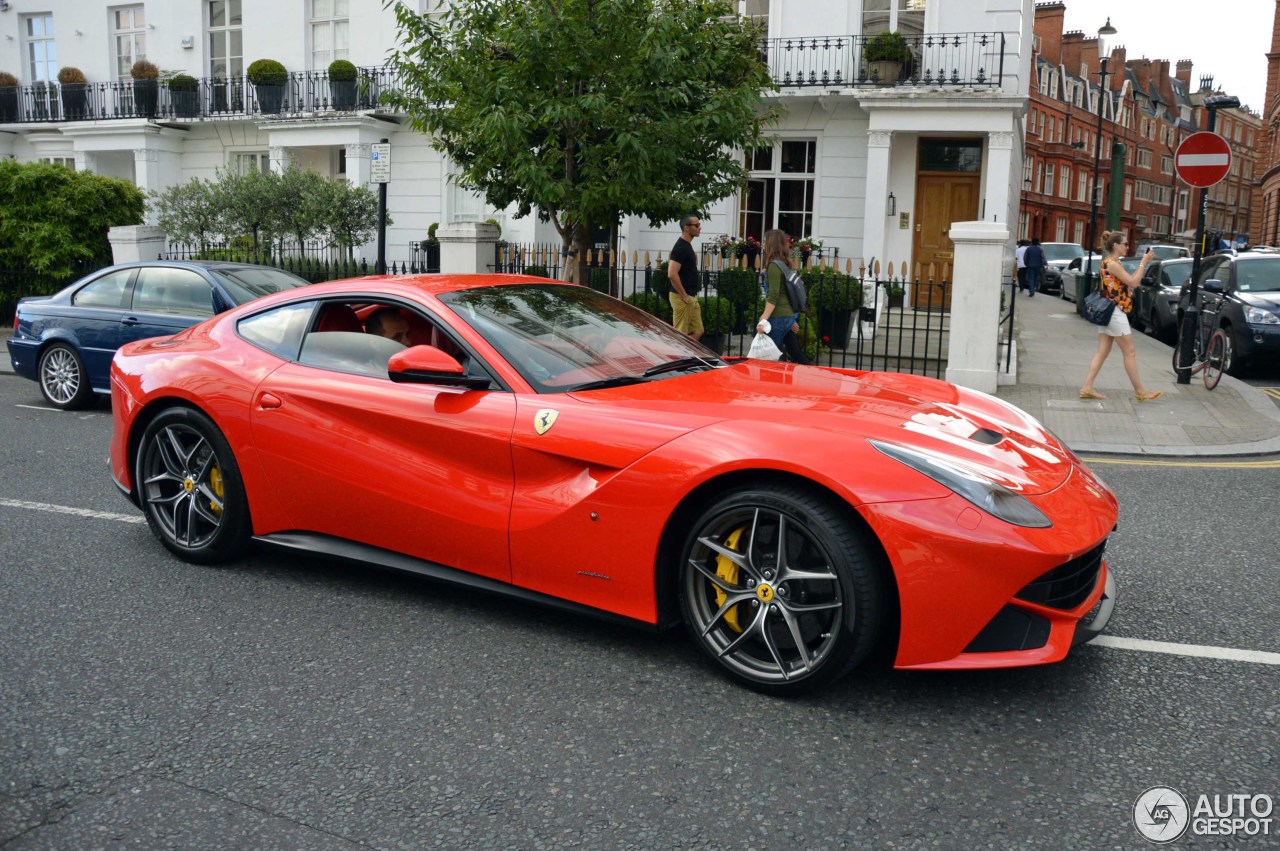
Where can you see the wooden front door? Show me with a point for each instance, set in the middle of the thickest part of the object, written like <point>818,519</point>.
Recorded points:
<point>940,200</point>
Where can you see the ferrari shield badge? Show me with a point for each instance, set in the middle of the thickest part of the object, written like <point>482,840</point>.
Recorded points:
<point>544,420</point>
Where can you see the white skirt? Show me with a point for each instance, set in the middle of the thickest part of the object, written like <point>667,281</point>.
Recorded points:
<point>1118,326</point>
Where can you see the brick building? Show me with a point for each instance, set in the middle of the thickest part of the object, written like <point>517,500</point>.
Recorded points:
<point>1266,198</point>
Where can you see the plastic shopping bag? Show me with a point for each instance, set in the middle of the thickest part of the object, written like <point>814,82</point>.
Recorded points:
<point>763,348</point>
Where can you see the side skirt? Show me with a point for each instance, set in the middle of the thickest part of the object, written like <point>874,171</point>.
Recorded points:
<point>341,549</point>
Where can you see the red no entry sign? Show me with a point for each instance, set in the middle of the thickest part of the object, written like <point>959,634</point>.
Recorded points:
<point>1203,159</point>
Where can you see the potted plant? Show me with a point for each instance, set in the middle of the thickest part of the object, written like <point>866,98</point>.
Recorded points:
<point>268,77</point>
<point>8,98</point>
<point>806,245</point>
<point>184,92</point>
<point>834,297</point>
<point>885,54</point>
<point>748,247</point>
<point>718,321</point>
<point>342,84</point>
<point>74,93</point>
<point>146,87</point>
<point>896,293</point>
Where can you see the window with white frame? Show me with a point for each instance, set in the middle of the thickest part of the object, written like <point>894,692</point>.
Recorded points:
<point>243,162</point>
<point>1166,165</point>
<point>65,162</point>
<point>41,52</point>
<point>226,38</point>
<point>330,26</point>
<point>1078,238</point>
<point>128,38</point>
<point>780,189</point>
<point>1144,158</point>
<point>1060,230</point>
<point>905,16</point>
<point>1047,186</point>
<point>1082,185</point>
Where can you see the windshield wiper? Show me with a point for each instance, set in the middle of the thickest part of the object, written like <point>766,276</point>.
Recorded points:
<point>616,381</point>
<point>678,364</point>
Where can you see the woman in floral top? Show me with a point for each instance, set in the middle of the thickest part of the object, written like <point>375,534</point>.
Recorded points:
<point>1117,285</point>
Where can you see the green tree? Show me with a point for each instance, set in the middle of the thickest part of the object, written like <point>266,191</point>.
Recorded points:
<point>247,204</point>
<point>299,201</point>
<point>53,218</point>
<point>190,212</point>
<point>586,110</point>
<point>351,214</point>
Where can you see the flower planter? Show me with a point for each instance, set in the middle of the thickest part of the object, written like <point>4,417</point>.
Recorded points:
<point>344,94</point>
<point>833,326</point>
<point>75,98</point>
<point>270,99</point>
<point>896,299</point>
<point>8,104</point>
<point>185,104</point>
<point>884,73</point>
<point>146,97</point>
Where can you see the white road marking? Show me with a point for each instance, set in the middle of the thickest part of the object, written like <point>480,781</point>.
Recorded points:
<point>1200,651</point>
<point>66,509</point>
<point>40,408</point>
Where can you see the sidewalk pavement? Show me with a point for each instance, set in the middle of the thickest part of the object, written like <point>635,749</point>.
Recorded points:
<point>1054,347</point>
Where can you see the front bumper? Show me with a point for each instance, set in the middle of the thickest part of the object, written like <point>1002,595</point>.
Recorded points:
<point>1095,621</point>
<point>1254,341</point>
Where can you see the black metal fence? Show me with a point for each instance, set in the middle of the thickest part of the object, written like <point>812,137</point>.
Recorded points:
<point>19,283</point>
<point>858,318</point>
<point>941,60</point>
<point>312,263</point>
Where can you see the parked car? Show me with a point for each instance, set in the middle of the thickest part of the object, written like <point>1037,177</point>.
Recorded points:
<point>1163,252</point>
<point>1087,267</point>
<point>1155,302</point>
<point>1057,256</point>
<point>1248,307</point>
<point>550,443</point>
<point>65,341</point>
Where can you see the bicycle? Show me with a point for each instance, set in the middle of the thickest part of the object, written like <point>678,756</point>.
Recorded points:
<point>1211,348</point>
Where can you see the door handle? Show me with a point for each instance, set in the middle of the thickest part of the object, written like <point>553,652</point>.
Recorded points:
<point>269,402</point>
<point>130,320</point>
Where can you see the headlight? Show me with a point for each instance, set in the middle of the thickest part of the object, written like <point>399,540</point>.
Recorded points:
<point>991,497</point>
<point>1258,316</point>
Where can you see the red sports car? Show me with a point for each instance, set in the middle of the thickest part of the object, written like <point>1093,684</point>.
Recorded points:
<point>546,441</point>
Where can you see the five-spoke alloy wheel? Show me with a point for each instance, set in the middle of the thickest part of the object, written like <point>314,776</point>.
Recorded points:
<point>777,587</point>
<point>190,489</point>
<point>62,378</point>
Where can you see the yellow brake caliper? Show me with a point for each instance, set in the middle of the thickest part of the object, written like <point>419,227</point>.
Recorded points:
<point>728,571</point>
<point>215,481</point>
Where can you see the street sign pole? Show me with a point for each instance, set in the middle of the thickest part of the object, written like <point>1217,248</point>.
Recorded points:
<point>380,173</point>
<point>1193,173</point>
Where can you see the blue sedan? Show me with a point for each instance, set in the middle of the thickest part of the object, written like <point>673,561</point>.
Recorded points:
<point>65,341</point>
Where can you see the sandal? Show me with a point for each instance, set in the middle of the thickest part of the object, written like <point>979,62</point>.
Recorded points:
<point>1090,394</point>
<point>1147,397</point>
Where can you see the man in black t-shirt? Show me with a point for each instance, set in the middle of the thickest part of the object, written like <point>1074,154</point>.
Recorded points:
<point>682,271</point>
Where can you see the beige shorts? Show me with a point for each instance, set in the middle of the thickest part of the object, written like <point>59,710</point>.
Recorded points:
<point>686,316</point>
<point>1118,326</point>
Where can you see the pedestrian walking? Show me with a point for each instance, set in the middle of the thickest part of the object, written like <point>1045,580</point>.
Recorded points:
<point>682,272</point>
<point>778,314</point>
<point>1033,258</point>
<point>1117,285</point>
<point>1020,257</point>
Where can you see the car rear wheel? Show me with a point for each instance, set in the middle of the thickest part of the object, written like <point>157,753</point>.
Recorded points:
<point>190,487</point>
<point>778,589</point>
<point>62,378</point>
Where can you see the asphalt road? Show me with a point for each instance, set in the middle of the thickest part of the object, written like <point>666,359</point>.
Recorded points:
<point>281,703</point>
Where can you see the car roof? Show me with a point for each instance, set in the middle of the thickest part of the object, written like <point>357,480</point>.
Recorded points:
<point>415,285</point>
<point>188,264</point>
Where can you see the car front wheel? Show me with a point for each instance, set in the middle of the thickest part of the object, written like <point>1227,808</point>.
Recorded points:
<point>190,488</point>
<point>63,381</point>
<point>778,589</point>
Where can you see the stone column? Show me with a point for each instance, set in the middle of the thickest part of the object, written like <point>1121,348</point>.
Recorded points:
<point>467,247</point>
<point>998,191</point>
<point>358,164</point>
<point>873,217</point>
<point>146,175</point>
<point>973,347</point>
<point>280,158</point>
<point>130,243</point>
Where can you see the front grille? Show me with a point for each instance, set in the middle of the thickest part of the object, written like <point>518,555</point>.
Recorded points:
<point>1067,585</point>
<point>1011,629</point>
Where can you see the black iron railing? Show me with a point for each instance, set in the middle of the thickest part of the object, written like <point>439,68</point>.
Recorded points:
<point>834,62</point>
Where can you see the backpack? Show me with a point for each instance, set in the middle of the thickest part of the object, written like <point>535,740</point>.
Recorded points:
<point>796,292</point>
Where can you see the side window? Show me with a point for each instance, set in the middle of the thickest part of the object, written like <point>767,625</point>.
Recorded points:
<point>178,292</point>
<point>278,331</point>
<point>1212,269</point>
<point>107,291</point>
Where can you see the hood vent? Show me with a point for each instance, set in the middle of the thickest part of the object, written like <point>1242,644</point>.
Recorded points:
<point>987,436</point>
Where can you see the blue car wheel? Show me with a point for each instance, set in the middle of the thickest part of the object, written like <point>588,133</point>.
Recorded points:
<point>62,378</point>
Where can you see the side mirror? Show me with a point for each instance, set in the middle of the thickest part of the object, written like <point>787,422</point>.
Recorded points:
<point>429,365</point>
<point>1213,285</point>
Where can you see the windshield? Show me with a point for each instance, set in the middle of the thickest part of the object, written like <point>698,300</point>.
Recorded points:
<point>245,283</point>
<point>1175,274</point>
<point>1258,276</point>
<point>562,337</point>
<point>1165,252</point>
<point>1061,250</point>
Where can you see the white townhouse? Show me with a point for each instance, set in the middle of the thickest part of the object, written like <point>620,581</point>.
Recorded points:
<point>877,161</point>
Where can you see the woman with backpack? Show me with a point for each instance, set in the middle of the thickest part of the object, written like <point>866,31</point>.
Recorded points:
<point>778,313</point>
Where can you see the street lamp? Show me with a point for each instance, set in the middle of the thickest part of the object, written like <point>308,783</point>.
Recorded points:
<point>1106,30</point>
<point>1191,316</point>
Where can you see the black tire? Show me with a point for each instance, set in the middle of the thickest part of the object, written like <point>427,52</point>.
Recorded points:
<point>1217,359</point>
<point>1237,364</point>
<point>780,625</point>
<point>190,489</point>
<point>63,380</point>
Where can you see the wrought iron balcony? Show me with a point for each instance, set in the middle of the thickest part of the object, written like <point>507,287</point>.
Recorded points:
<point>303,93</point>
<point>956,60</point>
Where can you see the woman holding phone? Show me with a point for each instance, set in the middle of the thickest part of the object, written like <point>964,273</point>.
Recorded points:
<point>1118,286</point>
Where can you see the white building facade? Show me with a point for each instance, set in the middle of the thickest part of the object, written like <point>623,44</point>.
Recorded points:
<point>876,162</point>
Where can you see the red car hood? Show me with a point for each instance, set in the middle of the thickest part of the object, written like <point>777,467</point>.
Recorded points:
<point>968,427</point>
